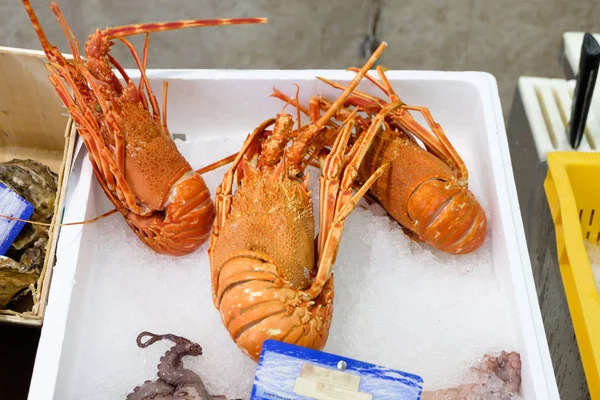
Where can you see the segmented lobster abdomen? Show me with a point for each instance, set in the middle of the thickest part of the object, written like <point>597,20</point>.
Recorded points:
<point>448,217</point>
<point>185,223</point>
<point>421,192</point>
<point>410,167</point>
<point>256,304</point>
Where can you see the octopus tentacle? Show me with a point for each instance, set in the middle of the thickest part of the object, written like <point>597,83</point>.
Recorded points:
<point>170,368</point>
<point>194,392</point>
<point>151,390</point>
<point>174,380</point>
<point>155,338</point>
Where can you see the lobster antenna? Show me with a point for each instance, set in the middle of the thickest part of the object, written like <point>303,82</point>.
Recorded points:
<point>353,84</point>
<point>137,29</point>
<point>89,221</point>
<point>66,30</point>
<point>37,26</point>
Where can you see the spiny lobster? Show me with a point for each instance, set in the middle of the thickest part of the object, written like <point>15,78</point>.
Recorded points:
<point>267,282</point>
<point>425,190</point>
<point>164,201</point>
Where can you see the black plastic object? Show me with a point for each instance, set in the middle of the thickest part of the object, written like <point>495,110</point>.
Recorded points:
<point>584,88</point>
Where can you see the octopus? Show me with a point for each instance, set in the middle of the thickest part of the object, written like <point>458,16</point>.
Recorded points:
<point>499,378</point>
<point>23,262</point>
<point>174,381</point>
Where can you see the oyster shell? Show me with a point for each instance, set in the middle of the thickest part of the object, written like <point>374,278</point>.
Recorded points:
<point>33,181</point>
<point>37,184</point>
<point>14,277</point>
<point>24,260</point>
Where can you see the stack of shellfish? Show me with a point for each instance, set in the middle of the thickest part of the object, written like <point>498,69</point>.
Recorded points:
<point>21,266</point>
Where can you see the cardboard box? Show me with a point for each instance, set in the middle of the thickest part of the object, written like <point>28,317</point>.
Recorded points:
<point>34,125</point>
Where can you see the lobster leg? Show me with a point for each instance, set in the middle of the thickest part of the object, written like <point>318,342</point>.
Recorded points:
<point>224,196</point>
<point>83,116</point>
<point>330,183</point>
<point>279,95</point>
<point>224,190</point>
<point>116,170</point>
<point>223,201</point>
<point>145,59</point>
<point>323,104</point>
<point>232,157</point>
<point>315,106</point>
<point>73,44</point>
<point>164,115</point>
<point>336,186</point>
<point>51,51</point>
<point>357,94</point>
<point>374,81</point>
<point>298,149</point>
<point>452,159</point>
<point>405,121</point>
<point>319,103</point>
<point>143,78</point>
<point>217,164</point>
<point>87,124</point>
<point>437,142</point>
<point>313,112</point>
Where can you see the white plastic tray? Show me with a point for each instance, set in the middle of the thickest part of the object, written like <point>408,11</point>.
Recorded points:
<point>572,42</point>
<point>230,104</point>
<point>547,104</point>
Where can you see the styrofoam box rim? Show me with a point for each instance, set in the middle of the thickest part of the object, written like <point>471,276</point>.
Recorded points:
<point>539,362</point>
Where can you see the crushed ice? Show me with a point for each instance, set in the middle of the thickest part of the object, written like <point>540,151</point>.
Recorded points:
<point>398,304</point>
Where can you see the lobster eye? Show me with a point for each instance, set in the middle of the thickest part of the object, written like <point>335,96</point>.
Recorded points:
<point>98,108</point>
<point>299,175</point>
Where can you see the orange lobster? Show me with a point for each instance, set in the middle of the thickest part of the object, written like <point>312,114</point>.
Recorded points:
<point>426,191</point>
<point>265,282</point>
<point>136,162</point>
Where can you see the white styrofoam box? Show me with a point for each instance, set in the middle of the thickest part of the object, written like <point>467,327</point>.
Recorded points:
<point>220,104</point>
<point>547,103</point>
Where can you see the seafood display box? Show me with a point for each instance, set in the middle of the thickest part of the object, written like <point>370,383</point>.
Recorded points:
<point>224,106</point>
<point>34,126</point>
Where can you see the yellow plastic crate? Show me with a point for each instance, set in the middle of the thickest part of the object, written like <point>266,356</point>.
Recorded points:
<point>572,188</point>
